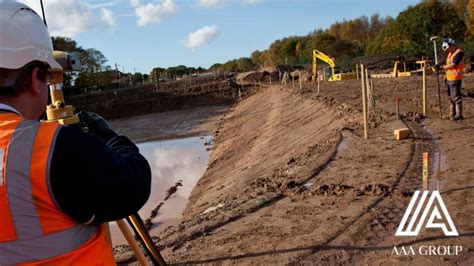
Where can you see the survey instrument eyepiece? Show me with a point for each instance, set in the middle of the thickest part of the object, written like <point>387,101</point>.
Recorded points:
<point>69,62</point>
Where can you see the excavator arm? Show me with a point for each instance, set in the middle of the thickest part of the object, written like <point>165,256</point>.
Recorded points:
<point>325,58</point>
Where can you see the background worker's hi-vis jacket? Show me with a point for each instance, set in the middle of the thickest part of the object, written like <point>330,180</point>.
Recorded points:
<point>456,72</point>
<point>34,229</point>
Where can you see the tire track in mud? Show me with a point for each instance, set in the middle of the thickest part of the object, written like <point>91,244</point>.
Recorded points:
<point>421,141</point>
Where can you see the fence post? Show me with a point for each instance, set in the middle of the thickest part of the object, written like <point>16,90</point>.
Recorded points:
<point>364,102</point>
<point>357,71</point>
<point>367,88</point>
<point>301,81</point>
<point>318,78</point>
<point>424,90</point>
<point>425,170</point>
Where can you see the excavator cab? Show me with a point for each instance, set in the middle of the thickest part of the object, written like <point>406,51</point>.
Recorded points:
<point>328,72</point>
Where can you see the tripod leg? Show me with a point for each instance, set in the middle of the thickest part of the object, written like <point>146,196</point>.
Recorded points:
<point>140,230</point>
<point>132,242</point>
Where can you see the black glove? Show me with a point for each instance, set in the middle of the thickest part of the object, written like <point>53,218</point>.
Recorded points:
<point>437,67</point>
<point>96,125</point>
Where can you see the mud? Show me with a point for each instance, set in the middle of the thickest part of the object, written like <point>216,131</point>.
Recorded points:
<point>292,180</point>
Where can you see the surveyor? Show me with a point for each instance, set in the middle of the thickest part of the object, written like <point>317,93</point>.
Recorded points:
<point>454,69</point>
<point>58,184</point>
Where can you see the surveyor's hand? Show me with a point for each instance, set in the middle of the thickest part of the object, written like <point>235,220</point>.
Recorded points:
<point>96,125</point>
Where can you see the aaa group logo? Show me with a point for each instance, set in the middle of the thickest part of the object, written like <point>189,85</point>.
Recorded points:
<point>426,212</point>
<point>431,211</point>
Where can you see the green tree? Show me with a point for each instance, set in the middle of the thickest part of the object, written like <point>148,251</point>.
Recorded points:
<point>92,62</point>
<point>138,78</point>
<point>411,30</point>
<point>470,22</point>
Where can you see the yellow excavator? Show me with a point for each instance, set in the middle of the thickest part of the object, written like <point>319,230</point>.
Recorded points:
<point>332,73</point>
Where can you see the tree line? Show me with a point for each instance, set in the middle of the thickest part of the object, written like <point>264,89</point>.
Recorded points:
<point>95,74</point>
<point>407,34</point>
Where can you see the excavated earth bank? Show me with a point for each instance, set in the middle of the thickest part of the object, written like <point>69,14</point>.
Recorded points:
<point>291,180</point>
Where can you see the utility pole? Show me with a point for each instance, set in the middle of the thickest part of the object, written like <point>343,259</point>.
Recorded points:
<point>117,72</point>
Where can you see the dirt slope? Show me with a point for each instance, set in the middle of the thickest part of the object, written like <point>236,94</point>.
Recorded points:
<point>283,126</point>
<point>291,180</point>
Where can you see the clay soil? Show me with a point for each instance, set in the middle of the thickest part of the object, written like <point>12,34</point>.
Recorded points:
<point>292,180</point>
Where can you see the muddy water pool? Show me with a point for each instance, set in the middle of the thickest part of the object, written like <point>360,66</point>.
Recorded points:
<point>171,161</point>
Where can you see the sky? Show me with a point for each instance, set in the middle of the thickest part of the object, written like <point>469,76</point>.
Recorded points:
<point>139,35</point>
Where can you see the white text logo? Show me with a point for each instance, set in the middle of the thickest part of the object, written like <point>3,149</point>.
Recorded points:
<point>435,214</point>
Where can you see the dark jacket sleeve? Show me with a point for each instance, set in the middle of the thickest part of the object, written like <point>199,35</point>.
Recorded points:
<point>457,59</point>
<point>90,178</point>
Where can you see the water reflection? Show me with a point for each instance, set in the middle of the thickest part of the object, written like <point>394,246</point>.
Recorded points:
<point>171,161</point>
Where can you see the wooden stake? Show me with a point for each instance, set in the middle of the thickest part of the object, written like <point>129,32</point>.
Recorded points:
<point>424,90</point>
<point>293,81</point>
<point>364,102</point>
<point>397,107</point>
<point>318,80</point>
<point>357,71</point>
<point>299,77</point>
<point>270,80</point>
<point>425,170</point>
<point>132,242</point>
<point>367,88</point>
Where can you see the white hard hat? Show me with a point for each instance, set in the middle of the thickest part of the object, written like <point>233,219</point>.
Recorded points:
<point>447,42</point>
<point>23,37</point>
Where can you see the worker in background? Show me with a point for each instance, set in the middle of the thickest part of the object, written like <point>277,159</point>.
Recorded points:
<point>454,69</point>
<point>58,184</point>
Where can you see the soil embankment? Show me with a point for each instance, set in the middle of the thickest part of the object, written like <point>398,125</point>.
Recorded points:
<point>187,93</point>
<point>292,180</point>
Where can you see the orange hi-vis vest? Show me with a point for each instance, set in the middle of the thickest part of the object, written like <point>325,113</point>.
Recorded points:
<point>33,229</point>
<point>457,72</point>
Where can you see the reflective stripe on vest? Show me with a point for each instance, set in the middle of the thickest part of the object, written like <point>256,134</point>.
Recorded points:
<point>457,72</point>
<point>45,247</point>
<point>29,240</point>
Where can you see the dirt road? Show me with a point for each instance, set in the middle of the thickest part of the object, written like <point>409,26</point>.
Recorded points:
<point>291,180</point>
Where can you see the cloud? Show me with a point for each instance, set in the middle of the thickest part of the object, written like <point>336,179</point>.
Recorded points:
<point>65,18</point>
<point>201,37</point>
<point>135,3</point>
<point>252,2</point>
<point>101,5</point>
<point>211,3</point>
<point>107,16</point>
<point>150,12</point>
<point>220,3</point>
<point>70,17</point>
